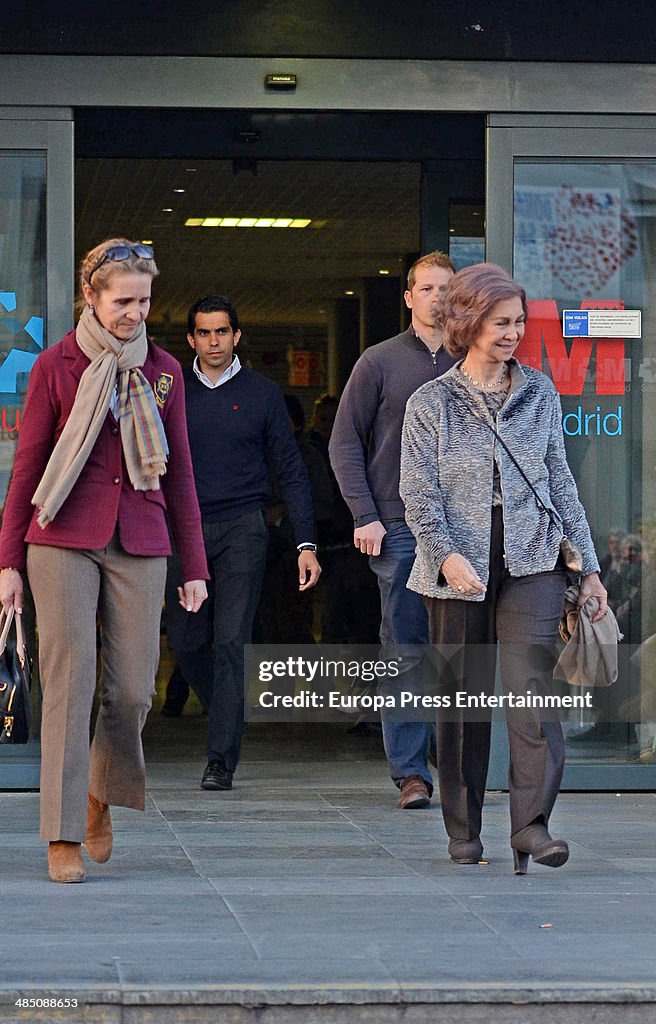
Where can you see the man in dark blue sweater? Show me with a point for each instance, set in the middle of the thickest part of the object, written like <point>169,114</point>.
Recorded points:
<point>238,423</point>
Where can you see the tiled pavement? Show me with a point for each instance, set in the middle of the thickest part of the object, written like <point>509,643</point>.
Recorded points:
<point>305,894</point>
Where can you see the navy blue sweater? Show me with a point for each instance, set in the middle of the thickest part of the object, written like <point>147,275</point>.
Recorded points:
<point>235,432</point>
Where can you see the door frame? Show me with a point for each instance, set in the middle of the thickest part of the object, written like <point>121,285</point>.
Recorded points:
<point>557,137</point>
<point>47,132</point>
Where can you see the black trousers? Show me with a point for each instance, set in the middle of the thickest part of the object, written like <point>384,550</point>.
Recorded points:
<point>209,646</point>
<point>519,618</point>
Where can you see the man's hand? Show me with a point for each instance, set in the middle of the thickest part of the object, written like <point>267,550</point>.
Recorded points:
<point>591,586</point>
<point>192,594</point>
<point>369,538</point>
<point>11,590</point>
<point>307,563</point>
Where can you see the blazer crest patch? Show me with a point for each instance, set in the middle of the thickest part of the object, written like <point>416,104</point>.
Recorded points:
<point>162,388</point>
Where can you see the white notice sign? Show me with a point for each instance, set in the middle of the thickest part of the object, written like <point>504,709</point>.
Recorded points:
<point>602,323</point>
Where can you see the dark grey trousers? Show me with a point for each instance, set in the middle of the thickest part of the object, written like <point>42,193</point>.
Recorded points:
<point>519,617</point>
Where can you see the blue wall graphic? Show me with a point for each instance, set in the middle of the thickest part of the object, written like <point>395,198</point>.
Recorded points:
<point>17,360</point>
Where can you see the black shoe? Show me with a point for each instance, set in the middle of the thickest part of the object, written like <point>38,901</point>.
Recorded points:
<point>171,709</point>
<point>216,777</point>
<point>364,729</point>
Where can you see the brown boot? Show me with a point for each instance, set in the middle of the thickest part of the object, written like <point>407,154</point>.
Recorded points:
<point>98,841</point>
<point>65,862</point>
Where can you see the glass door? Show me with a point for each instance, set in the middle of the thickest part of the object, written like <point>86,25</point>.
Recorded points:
<point>578,230</point>
<point>36,235</point>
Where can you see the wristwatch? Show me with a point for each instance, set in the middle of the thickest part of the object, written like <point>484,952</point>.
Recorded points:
<point>307,547</point>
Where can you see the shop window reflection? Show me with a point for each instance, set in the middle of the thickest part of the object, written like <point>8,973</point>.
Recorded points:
<point>585,237</point>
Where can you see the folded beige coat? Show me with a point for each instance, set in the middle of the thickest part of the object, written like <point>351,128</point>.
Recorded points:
<point>589,657</point>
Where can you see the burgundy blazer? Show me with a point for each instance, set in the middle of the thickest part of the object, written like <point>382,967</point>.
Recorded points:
<point>103,495</point>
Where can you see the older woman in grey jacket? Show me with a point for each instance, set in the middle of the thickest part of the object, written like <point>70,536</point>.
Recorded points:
<point>488,554</point>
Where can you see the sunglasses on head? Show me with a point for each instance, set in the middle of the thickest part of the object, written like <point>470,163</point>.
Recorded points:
<point>120,253</point>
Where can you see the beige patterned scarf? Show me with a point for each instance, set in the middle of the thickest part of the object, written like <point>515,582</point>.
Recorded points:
<point>142,433</point>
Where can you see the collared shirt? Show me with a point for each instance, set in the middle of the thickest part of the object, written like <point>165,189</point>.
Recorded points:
<point>232,370</point>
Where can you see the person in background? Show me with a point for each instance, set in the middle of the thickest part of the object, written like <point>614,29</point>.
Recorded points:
<point>323,420</point>
<point>102,458</point>
<point>624,578</point>
<point>238,426</point>
<point>613,557</point>
<point>488,556</point>
<point>350,600</point>
<point>177,692</point>
<point>365,451</point>
<point>315,463</point>
<point>285,615</point>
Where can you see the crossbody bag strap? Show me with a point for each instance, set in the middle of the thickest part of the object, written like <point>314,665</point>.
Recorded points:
<point>503,444</point>
<point>521,471</point>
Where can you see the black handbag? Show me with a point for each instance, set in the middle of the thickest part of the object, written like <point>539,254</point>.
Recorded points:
<point>15,681</point>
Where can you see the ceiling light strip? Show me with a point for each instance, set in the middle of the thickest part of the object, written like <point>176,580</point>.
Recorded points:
<point>249,222</point>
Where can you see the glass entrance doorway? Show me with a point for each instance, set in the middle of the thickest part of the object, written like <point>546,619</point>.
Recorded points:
<point>385,192</point>
<point>578,229</point>
<point>35,304</point>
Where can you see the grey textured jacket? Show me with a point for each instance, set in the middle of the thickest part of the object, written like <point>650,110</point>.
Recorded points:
<point>447,462</point>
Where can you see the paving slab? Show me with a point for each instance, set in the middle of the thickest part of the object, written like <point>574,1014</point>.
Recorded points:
<point>306,896</point>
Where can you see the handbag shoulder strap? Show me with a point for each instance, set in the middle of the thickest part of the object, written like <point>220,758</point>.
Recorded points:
<point>520,470</point>
<point>6,620</point>
<point>517,465</point>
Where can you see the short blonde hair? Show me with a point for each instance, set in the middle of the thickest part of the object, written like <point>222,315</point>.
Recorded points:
<point>469,299</point>
<point>431,259</point>
<point>102,275</point>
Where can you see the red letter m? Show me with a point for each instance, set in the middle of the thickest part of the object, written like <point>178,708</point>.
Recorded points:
<point>569,370</point>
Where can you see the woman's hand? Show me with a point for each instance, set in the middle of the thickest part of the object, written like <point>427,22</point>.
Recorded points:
<point>11,590</point>
<point>192,595</point>
<point>461,575</point>
<point>591,586</point>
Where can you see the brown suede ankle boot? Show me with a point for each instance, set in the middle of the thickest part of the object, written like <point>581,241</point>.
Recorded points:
<point>65,862</point>
<point>98,841</point>
<point>534,841</point>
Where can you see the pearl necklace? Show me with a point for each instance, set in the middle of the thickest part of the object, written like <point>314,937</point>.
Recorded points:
<point>482,384</point>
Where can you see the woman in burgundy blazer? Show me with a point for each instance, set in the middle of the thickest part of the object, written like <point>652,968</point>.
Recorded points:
<point>102,462</point>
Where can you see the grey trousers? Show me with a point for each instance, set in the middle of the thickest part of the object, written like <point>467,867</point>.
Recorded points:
<point>521,615</point>
<point>70,588</point>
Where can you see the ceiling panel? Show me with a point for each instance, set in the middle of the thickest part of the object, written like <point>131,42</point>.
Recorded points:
<point>274,276</point>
